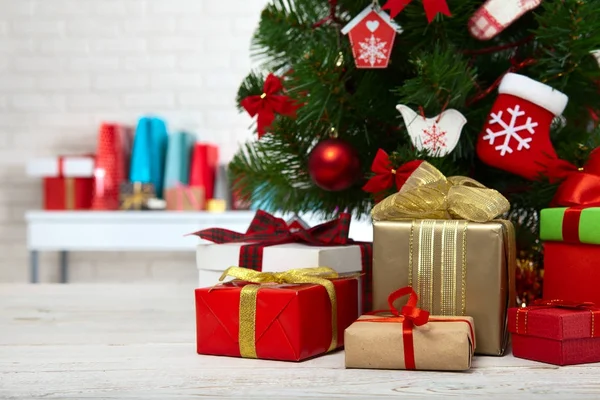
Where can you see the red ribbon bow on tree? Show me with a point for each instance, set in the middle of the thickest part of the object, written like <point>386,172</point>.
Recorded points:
<point>432,7</point>
<point>580,190</point>
<point>386,175</point>
<point>268,230</point>
<point>268,104</point>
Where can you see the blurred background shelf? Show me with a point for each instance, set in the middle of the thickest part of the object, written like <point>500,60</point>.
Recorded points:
<point>111,231</point>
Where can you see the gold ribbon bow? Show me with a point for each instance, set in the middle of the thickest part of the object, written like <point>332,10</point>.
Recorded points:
<point>247,326</point>
<point>428,194</point>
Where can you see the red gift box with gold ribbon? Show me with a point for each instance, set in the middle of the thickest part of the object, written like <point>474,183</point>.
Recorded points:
<point>287,316</point>
<point>68,181</point>
<point>556,332</point>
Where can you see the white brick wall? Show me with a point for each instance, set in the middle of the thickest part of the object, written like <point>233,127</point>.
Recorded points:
<point>67,65</point>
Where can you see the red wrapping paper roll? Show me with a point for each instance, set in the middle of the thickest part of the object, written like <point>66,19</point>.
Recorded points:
<point>203,172</point>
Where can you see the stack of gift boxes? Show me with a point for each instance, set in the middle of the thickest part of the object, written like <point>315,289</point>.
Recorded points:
<point>434,288</point>
<point>143,169</point>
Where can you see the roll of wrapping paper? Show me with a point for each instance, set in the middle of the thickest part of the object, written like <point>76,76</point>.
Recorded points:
<point>111,167</point>
<point>149,153</point>
<point>205,161</point>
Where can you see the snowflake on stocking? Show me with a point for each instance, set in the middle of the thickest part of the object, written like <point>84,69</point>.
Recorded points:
<point>434,139</point>
<point>510,130</point>
<point>373,51</point>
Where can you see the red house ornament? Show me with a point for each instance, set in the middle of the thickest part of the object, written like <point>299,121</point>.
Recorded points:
<point>372,34</point>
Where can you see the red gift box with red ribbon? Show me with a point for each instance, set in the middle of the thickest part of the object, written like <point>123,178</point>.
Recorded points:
<point>275,316</point>
<point>556,332</point>
<point>571,236</point>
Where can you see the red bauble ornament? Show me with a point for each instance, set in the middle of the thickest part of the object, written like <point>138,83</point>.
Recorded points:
<point>334,165</point>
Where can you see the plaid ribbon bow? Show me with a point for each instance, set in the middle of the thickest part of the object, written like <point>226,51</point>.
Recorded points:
<point>268,230</point>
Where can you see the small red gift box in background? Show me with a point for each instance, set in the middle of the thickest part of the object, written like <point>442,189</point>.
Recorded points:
<point>556,332</point>
<point>288,316</point>
<point>68,181</point>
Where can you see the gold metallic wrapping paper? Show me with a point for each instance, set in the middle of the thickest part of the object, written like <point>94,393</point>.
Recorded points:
<point>457,267</point>
<point>438,346</point>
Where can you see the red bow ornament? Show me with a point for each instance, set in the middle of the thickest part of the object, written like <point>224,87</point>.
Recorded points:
<point>580,190</point>
<point>432,7</point>
<point>268,104</point>
<point>386,175</point>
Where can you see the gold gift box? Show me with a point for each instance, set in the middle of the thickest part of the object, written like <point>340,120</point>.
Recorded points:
<point>457,267</point>
<point>437,345</point>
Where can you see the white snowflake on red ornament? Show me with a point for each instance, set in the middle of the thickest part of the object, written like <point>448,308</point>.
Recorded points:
<point>510,130</point>
<point>373,51</point>
<point>372,34</point>
<point>434,138</point>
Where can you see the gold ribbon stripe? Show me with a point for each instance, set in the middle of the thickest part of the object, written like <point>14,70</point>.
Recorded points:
<point>70,193</point>
<point>247,322</point>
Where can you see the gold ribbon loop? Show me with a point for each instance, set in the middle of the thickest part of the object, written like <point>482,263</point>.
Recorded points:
<point>247,329</point>
<point>428,194</point>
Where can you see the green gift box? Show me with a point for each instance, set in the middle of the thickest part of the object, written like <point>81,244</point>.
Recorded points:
<point>551,225</point>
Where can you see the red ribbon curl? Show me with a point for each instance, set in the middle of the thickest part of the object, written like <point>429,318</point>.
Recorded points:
<point>386,175</point>
<point>432,7</point>
<point>268,104</point>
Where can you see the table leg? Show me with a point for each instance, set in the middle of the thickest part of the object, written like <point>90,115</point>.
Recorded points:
<point>64,266</point>
<point>34,266</point>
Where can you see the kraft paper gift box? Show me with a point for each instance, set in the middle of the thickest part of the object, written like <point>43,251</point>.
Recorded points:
<point>289,316</point>
<point>556,332</point>
<point>185,198</point>
<point>459,267</point>
<point>68,181</point>
<point>270,245</point>
<point>410,340</point>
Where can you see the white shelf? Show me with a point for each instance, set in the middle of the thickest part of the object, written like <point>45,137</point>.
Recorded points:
<point>139,230</point>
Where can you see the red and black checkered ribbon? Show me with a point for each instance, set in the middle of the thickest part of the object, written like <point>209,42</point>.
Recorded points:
<point>268,230</point>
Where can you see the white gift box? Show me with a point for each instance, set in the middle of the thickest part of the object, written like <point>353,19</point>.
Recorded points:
<point>213,259</point>
<point>72,167</point>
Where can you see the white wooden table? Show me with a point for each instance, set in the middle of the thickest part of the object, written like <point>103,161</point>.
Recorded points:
<point>137,342</point>
<point>66,231</point>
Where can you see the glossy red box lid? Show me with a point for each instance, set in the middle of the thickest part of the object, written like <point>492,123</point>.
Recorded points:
<point>555,335</point>
<point>571,271</point>
<point>293,322</point>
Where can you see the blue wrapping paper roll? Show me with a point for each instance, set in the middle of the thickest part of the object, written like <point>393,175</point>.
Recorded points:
<point>179,154</point>
<point>149,153</point>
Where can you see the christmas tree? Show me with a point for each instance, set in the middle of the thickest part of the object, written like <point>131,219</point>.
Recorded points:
<point>326,99</point>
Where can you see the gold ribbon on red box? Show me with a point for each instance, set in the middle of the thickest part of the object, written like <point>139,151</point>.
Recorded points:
<point>523,313</point>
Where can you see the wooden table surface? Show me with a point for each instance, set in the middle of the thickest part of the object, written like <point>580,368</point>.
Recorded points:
<point>137,342</point>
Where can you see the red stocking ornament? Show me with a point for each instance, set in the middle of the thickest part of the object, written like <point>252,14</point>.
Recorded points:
<point>516,137</point>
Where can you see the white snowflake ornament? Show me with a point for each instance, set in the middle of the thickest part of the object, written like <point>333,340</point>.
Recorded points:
<point>510,129</point>
<point>372,34</point>
<point>438,135</point>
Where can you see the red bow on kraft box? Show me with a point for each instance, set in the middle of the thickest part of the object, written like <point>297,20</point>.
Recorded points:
<point>386,175</point>
<point>578,191</point>
<point>267,230</point>
<point>268,104</point>
<point>432,7</point>
<point>411,316</point>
